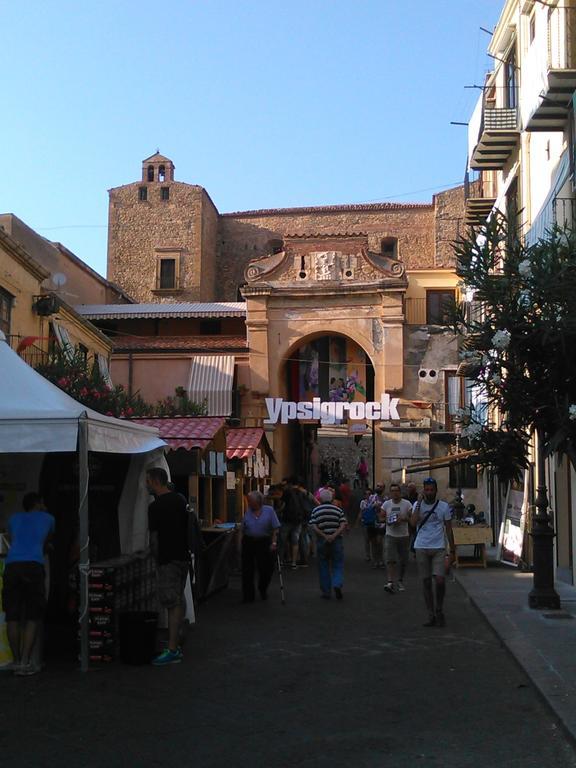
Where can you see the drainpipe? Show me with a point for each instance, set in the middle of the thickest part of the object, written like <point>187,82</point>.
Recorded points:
<point>130,373</point>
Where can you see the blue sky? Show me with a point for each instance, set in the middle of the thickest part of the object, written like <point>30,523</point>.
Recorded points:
<point>265,104</point>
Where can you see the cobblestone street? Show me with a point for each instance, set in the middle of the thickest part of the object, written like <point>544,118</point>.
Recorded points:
<point>312,683</point>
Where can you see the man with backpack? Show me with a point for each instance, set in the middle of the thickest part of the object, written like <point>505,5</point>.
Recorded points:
<point>374,526</point>
<point>291,519</point>
<point>433,521</point>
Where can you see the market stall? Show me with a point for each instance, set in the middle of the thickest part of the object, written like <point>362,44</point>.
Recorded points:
<point>249,466</point>
<point>37,418</point>
<point>197,461</point>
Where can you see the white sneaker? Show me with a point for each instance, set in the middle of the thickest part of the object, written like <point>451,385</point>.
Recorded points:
<point>389,588</point>
<point>400,587</point>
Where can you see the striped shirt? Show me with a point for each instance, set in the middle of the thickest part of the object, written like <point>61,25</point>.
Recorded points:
<point>328,518</point>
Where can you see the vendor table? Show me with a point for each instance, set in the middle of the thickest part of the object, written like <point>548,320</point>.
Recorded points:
<point>472,535</point>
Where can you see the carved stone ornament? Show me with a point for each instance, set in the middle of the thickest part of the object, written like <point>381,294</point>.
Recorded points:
<point>264,266</point>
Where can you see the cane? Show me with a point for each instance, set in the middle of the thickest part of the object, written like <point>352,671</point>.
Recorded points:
<point>282,597</point>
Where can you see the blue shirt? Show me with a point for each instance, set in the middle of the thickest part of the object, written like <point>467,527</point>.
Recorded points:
<point>28,532</point>
<point>261,526</point>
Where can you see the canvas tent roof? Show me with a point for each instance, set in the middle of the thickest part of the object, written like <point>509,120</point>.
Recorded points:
<point>37,417</point>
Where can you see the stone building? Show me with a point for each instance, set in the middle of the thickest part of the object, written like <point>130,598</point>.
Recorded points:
<point>341,302</point>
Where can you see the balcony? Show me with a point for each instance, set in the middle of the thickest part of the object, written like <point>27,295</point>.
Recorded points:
<point>28,351</point>
<point>550,74</point>
<point>480,196</point>
<point>564,212</point>
<point>497,138</point>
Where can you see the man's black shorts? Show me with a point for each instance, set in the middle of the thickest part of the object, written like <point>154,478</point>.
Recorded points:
<point>24,593</point>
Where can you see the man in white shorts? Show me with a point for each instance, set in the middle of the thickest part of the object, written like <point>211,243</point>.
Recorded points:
<point>432,519</point>
<point>396,542</point>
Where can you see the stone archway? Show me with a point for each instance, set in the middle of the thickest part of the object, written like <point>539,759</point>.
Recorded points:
<point>320,285</point>
<point>331,367</point>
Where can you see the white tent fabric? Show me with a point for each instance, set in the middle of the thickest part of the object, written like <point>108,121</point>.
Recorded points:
<point>37,417</point>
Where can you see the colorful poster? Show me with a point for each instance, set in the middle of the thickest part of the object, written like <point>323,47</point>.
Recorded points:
<point>337,392</point>
<point>511,540</point>
<point>309,378</point>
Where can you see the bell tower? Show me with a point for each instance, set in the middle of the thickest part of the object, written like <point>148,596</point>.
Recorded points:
<point>157,168</point>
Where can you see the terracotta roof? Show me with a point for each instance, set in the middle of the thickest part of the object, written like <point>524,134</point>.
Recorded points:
<point>241,443</point>
<point>186,431</point>
<point>332,209</point>
<point>184,309</point>
<point>179,343</point>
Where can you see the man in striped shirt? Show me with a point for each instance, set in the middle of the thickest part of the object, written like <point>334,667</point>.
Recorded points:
<point>328,523</point>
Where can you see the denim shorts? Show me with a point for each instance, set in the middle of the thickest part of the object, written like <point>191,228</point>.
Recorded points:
<point>430,562</point>
<point>291,533</point>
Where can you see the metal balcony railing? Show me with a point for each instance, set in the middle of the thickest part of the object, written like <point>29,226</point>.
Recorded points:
<point>501,119</point>
<point>29,352</point>
<point>564,211</point>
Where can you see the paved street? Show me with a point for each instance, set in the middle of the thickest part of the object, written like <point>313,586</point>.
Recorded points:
<point>311,684</point>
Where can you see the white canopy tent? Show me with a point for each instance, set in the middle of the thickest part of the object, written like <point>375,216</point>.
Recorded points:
<point>37,417</point>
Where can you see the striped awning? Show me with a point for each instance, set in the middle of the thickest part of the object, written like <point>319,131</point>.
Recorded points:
<point>211,381</point>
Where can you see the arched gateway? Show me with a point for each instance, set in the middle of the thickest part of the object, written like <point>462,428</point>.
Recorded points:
<point>325,320</point>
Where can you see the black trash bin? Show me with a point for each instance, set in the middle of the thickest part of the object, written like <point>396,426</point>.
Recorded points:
<point>137,635</point>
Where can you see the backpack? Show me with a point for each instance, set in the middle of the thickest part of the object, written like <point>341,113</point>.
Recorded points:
<point>293,511</point>
<point>369,515</point>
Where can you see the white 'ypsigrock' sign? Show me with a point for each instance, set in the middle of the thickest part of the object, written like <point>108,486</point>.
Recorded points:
<point>283,411</point>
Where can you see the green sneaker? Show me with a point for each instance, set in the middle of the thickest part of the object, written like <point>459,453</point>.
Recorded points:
<point>168,657</point>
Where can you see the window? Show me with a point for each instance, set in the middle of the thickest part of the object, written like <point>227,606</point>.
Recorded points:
<point>389,247</point>
<point>161,173</point>
<point>210,327</point>
<point>143,194</point>
<point>6,300</point>
<point>150,173</point>
<point>164,193</point>
<point>167,273</point>
<point>439,306</point>
<point>510,80</point>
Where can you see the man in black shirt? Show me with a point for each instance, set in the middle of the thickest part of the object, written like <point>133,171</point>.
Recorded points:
<point>168,525</point>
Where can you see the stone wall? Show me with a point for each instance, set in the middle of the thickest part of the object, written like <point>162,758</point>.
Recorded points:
<point>246,236</point>
<point>136,229</point>
<point>449,224</point>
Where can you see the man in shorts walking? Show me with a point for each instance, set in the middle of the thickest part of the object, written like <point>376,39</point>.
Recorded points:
<point>168,525</point>
<point>24,590</point>
<point>433,521</point>
<point>397,539</point>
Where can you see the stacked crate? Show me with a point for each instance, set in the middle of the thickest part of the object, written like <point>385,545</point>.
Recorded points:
<point>126,583</point>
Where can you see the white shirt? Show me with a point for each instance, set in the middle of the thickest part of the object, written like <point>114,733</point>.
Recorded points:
<point>432,534</point>
<point>397,511</point>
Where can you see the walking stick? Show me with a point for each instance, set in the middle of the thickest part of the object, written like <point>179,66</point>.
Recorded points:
<point>282,596</point>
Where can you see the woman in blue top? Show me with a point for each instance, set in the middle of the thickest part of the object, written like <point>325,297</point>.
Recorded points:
<point>23,592</point>
<point>258,541</point>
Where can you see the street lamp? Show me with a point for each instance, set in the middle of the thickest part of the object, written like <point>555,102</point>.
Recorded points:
<point>543,594</point>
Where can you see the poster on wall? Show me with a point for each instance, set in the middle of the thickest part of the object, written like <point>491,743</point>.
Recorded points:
<point>511,540</point>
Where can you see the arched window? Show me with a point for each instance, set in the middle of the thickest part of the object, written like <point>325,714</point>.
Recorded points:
<point>161,173</point>
<point>150,173</point>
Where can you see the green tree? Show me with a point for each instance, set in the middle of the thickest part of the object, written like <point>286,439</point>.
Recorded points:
<point>520,345</point>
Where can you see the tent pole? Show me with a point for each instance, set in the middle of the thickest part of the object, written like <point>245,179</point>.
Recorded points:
<point>84,564</point>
